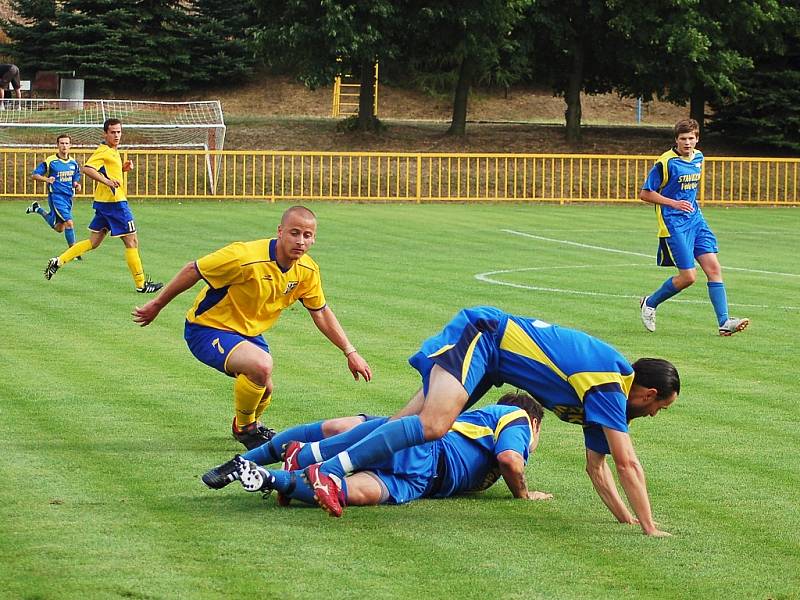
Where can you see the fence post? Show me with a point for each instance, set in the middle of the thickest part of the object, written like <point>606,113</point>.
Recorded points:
<point>419,178</point>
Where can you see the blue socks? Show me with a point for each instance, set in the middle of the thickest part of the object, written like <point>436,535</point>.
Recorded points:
<point>665,292</point>
<point>318,452</point>
<point>719,299</point>
<point>69,235</point>
<point>377,447</point>
<point>269,453</point>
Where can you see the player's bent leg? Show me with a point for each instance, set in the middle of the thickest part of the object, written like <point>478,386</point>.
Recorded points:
<point>364,489</point>
<point>445,400</point>
<point>252,367</point>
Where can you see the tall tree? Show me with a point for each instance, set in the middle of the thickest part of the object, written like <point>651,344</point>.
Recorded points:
<point>160,50</point>
<point>222,29</point>
<point>319,39</point>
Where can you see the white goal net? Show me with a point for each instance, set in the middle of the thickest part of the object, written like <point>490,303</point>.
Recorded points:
<point>35,122</point>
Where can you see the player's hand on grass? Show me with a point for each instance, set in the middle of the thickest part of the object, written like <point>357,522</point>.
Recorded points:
<point>532,495</point>
<point>146,314</point>
<point>358,366</point>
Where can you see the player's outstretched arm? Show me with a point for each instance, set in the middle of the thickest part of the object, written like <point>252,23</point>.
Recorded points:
<point>603,482</point>
<point>328,324</point>
<point>185,279</point>
<point>512,468</point>
<point>631,476</point>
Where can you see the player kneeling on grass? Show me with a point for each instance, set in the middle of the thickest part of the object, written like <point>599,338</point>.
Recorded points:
<point>580,378</point>
<point>481,446</point>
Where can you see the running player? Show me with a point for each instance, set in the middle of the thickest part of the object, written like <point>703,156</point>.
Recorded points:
<point>62,175</point>
<point>111,212</point>
<point>683,234</point>
<point>248,285</point>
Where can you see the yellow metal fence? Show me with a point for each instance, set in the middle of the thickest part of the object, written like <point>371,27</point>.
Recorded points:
<point>416,177</point>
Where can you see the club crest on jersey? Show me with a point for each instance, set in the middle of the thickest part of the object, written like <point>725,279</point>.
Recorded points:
<point>290,286</point>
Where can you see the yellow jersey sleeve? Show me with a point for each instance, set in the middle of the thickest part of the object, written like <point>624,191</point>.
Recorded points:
<point>223,267</point>
<point>312,296</point>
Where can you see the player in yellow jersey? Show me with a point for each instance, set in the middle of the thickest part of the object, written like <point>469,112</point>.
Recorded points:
<point>248,285</point>
<point>112,214</point>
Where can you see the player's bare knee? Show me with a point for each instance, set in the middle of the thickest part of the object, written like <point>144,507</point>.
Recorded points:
<point>333,427</point>
<point>435,428</point>
<point>260,373</point>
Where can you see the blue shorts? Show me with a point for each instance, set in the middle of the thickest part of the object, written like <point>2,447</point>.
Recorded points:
<point>115,217</point>
<point>682,247</point>
<point>60,207</point>
<point>213,346</point>
<point>465,349</point>
<point>408,474</point>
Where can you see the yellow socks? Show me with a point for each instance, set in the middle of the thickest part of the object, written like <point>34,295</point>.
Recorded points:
<point>246,398</point>
<point>266,400</point>
<point>74,251</point>
<point>134,265</point>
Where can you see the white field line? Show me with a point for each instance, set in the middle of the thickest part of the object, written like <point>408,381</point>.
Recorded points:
<point>628,252</point>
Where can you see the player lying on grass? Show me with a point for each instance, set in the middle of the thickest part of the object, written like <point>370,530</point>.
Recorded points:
<point>481,446</point>
<point>580,378</point>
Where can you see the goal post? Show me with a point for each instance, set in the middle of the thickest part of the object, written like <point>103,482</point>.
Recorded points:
<point>196,125</point>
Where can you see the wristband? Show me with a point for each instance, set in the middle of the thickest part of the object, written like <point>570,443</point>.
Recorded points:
<point>349,350</point>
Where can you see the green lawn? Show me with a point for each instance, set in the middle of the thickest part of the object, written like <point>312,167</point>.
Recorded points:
<point>105,428</point>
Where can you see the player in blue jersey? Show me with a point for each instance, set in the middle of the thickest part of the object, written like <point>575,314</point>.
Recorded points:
<point>683,234</point>
<point>580,378</point>
<point>62,175</point>
<point>481,446</point>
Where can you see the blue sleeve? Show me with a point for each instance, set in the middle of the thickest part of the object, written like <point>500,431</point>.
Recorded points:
<point>77,177</point>
<point>40,169</point>
<point>516,437</point>
<point>654,178</point>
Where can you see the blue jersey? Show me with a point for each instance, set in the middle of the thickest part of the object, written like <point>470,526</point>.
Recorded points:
<point>464,460</point>
<point>677,178</point>
<point>581,379</point>
<point>66,173</point>
<point>476,438</point>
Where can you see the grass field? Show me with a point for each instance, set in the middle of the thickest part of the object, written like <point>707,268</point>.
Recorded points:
<point>105,428</point>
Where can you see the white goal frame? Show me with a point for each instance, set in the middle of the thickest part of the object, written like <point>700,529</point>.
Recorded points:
<point>197,125</point>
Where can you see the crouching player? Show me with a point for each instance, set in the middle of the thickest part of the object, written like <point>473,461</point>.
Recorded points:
<point>481,446</point>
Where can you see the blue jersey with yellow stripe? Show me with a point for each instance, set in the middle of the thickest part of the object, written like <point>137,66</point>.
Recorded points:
<point>580,378</point>
<point>65,171</point>
<point>678,178</point>
<point>473,443</point>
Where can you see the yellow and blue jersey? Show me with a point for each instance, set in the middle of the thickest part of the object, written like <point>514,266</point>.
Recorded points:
<point>108,161</point>
<point>674,177</point>
<point>580,378</point>
<point>475,440</point>
<point>247,288</point>
<point>66,171</point>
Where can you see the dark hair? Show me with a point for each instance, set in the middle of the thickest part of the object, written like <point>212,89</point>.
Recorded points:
<point>659,374</point>
<point>61,136</point>
<point>686,126</point>
<point>525,402</point>
<point>109,122</point>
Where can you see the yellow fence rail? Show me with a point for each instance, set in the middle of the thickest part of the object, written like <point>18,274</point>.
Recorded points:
<point>416,177</point>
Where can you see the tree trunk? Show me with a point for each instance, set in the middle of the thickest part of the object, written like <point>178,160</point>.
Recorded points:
<point>458,126</point>
<point>572,95</point>
<point>697,105</point>
<point>366,98</point>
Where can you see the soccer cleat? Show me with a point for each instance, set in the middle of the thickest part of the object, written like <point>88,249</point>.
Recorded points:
<point>290,463</point>
<point>255,478</point>
<point>51,268</point>
<point>648,315</point>
<point>733,325</point>
<point>327,492</point>
<point>149,287</point>
<point>34,207</point>
<point>218,477</point>
<point>252,435</point>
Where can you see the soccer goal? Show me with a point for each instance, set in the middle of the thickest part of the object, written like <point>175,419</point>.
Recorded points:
<point>34,123</point>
